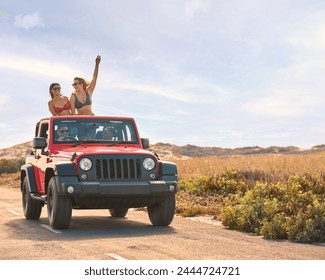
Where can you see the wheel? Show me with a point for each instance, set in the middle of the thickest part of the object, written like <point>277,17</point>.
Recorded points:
<point>32,208</point>
<point>118,212</point>
<point>59,208</point>
<point>162,213</point>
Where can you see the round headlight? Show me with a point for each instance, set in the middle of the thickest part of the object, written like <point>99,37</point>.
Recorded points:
<point>149,164</point>
<point>85,164</point>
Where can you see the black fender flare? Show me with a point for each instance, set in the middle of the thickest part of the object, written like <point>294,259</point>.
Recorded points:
<point>62,168</point>
<point>168,168</point>
<point>27,170</point>
<point>168,171</point>
<point>58,170</point>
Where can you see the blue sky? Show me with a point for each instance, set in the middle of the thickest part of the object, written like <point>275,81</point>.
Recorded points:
<point>203,72</point>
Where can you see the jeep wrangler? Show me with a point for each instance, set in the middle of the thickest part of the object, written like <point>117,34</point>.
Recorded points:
<point>95,162</point>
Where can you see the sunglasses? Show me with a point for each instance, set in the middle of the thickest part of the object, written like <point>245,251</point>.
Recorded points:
<point>74,84</point>
<point>56,88</point>
<point>63,130</point>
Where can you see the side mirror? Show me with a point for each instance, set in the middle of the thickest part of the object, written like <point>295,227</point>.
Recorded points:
<point>145,143</point>
<point>39,143</point>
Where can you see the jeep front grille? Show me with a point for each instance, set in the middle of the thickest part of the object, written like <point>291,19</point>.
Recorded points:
<point>118,168</point>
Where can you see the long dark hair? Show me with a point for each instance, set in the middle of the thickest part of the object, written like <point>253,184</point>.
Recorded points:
<point>52,86</point>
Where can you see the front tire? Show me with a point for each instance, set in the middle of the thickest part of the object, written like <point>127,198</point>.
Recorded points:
<point>162,213</point>
<point>32,208</point>
<point>59,208</point>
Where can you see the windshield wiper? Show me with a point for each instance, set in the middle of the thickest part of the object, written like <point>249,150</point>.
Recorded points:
<point>85,142</point>
<point>115,143</point>
<point>110,143</point>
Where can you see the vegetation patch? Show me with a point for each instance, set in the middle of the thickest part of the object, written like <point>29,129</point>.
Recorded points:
<point>10,165</point>
<point>10,180</point>
<point>293,209</point>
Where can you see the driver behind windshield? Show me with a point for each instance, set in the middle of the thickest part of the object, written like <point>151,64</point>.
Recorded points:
<point>62,133</point>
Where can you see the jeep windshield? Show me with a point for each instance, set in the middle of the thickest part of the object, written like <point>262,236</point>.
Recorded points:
<point>76,131</point>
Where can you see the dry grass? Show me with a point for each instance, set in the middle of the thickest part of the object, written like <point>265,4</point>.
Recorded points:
<point>10,180</point>
<point>272,164</point>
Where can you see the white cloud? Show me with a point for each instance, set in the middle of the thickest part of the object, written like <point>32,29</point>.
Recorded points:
<point>284,99</point>
<point>6,102</point>
<point>167,93</point>
<point>311,40</point>
<point>3,13</point>
<point>279,105</point>
<point>28,21</point>
<point>195,6</point>
<point>36,66</point>
<point>189,90</point>
<point>295,89</point>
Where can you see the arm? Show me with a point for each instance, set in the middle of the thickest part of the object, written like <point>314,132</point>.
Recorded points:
<point>72,104</point>
<point>68,101</point>
<point>51,108</point>
<point>92,84</point>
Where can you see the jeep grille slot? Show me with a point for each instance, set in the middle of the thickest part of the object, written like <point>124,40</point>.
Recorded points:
<point>118,168</point>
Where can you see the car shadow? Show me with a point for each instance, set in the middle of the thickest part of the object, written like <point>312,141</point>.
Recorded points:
<point>84,228</point>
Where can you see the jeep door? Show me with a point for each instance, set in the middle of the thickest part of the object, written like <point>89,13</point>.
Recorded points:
<point>41,157</point>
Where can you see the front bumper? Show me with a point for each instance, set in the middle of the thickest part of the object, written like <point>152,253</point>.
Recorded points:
<point>71,187</point>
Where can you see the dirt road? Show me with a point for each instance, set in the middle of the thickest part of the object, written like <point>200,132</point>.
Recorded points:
<point>94,235</point>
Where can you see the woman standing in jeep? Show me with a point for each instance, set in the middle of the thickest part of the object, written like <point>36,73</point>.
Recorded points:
<point>59,105</point>
<point>81,98</point>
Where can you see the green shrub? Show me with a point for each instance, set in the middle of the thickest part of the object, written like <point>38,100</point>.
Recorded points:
<point>293,210</point>
<point>308,226</point>
<point>231,217</point>
<point>10,166</point>
<point>275,228</point>
<point>228,183</point>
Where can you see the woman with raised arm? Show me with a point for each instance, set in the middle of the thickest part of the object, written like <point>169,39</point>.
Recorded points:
<point>81,98</point>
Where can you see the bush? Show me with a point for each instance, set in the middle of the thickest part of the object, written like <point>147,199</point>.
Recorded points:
<point>293,210</point>
<point>308,226</point>
<point>10,166</point>
<point>230,182</point>
<point>275,228</point>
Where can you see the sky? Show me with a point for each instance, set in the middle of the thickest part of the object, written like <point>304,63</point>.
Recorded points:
<point>218,73</point>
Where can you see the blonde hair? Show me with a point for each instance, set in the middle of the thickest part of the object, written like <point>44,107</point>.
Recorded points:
<point>85,84</point>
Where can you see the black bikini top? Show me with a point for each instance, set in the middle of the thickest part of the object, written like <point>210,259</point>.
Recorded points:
<point>79,104</point>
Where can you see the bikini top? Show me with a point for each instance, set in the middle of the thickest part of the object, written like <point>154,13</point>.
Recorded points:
<point>79,104</point>
<point>59,110</point>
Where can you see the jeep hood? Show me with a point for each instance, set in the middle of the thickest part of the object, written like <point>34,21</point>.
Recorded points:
<point>100,150</point>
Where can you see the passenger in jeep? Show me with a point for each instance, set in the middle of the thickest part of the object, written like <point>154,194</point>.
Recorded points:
<point>81,98</point>
<point>59,104</point>
<point>108,133</point>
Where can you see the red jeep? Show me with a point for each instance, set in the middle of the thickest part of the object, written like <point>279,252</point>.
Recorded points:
<point>95,162</point>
